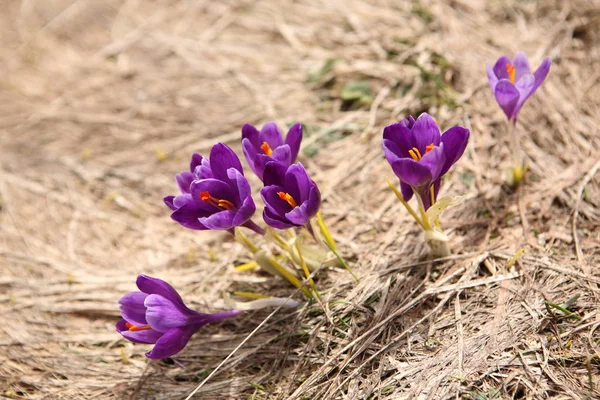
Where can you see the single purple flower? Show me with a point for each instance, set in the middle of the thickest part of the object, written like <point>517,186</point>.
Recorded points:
<point>157,315</point>
<point>291,198</point>
<point>214,194</point>
<point>268,145</point>
<point>513,83</point>
<point>420,156</point>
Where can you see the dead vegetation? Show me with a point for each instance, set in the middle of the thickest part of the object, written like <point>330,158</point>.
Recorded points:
<point>102,102</point>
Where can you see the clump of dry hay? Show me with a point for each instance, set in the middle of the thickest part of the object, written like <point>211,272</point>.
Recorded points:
<point>102,102</point>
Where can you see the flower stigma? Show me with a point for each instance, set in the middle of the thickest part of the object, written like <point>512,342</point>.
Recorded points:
<point>134,328</point>
<point>511,72</point>
<point>287,197</point>
<point>221,203</point>
<point>266,148</point>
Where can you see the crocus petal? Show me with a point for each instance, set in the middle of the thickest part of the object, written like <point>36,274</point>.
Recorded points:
<point>168,200</point>
<point>270,134</point>
<point>188,214</point>
<point>434,160</point>
<point>221,159</point>
<point>299,215</point>
<point>274,174</point>
<point>203,170</point>
<point>182,199</point>
<point>391,151</point>
<point>162,314</point>
<point>525,87</point>
<point>541,73</point>
<point>283,155</point>
<point>196,160</point>
<point>184,180</point>
<point>425,132</point>
<point>297,182</point>
<point>500,69</point>
<point>246,203</point>
<point>293,139</point>
<point>172,342</point>
<point>492,78</point>
<point>273,202</point>
<point>146,336</point>
<point>133,309</point>
<point>455,142</point>
<point>250,153</point>
<point>507,97</point>
<point>412,172</point>
<point>250,133</point>
<point>407,191</point>
<point>400,135</point>
<point>521,65</point>
<point>217,188</point>
<point>220,221</point>
<point>313,202</point>
<point>275,220</point>
<point>150,285</point>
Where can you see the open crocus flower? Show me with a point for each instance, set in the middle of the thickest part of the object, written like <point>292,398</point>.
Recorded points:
<point>268,145</point>
<point>420,156</point>
<point>214,194</point>
<point>512,82</point>
<point>157,315</point>
<point>291,198</point>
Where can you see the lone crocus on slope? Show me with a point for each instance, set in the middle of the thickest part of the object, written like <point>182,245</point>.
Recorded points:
<point>215,194</point>
<point>512,82</point>
<point>157,315</point>
<point>420,156</point>
<point>268,145</point>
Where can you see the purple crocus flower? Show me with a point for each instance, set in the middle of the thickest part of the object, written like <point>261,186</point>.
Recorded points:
<point>214,194</point>
<point>268,145</point>
<point>512,82</point>
<point>420,156</point>
<point>157,315</point>
<point>291,198</point>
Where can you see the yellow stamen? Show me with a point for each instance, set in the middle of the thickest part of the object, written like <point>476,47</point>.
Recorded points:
<point>266,148</point>
<point>221,203</point>
<point>415,154</point>
<point>134,328</point>
<point>511,72</point>
<point>287,197</point>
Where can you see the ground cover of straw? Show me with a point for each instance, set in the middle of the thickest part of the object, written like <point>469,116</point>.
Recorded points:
<point>101,103</point>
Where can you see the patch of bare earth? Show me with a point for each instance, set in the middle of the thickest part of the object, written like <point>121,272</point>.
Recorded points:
<point>102,102</point>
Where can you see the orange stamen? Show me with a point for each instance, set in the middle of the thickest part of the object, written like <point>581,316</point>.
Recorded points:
<point>429,148</point>
<point>511,72</point>
<point>134,328</point>
<point>415,154</point>
<point>222,203</point>
<point>287,197</point>
<point>266,148</point>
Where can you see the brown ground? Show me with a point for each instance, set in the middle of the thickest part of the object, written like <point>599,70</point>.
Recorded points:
<point>102,102</point>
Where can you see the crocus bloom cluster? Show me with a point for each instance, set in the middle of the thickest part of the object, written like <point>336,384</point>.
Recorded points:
<point>215,194</point>
<point>420,155</point>
<point>268,145</point>
<point>157,315</point>
<point>291,198</point>
<point>512,82</point>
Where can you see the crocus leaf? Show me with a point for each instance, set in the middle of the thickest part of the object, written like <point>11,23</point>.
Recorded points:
<point>435,210</point>
<point>433,234</point>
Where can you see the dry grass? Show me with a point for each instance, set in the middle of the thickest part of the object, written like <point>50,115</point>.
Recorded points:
<point>102,102</point>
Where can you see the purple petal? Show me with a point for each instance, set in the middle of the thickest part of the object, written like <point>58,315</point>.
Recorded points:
<point>434,160</point>
<point>541,73</point>
<point>146,336</point>
<point>188,214</point>
<point>298,183</point>
<point>203,170</point>
<point>172,342</point>
<point>412,172</point>
<point>391,151</point>
<point>184,180</point>
<point>168,200</point>
<point>221,159</point>
<point>407,191</point>
<point>500,68</point>
<point>217,188</point>
<point>250,153</point>
<point>401,137</point>
<point>507,97</point>
<point>492,78</point>
<point>299,215</point>
<point>270,134</point>
<point>273,202</point>
<point>276,221</point>
<point>521,65</point>
<point>313,202</point>
<point>181,200</point>
<point>293,139</point>
<point>250,133</point>
<point>283,155</point>
<point>274,174</point>
<point>525,87</point>
<point>163,315</point>
<point>196,160</point>
<point>220,221</point>
<point>455,142</point>
<point>150,285</point>
<point>408,122</point>
<point>425,132</point>
<point>246,203</point>
<point>133,309</point>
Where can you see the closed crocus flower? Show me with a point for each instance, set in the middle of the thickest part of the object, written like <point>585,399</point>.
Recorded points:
<point>215,194</point>
<point>157,315</point>
<point>512,82</point>
<point>420,155</point>
<point>268,145</point>
<point>291,198</point>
